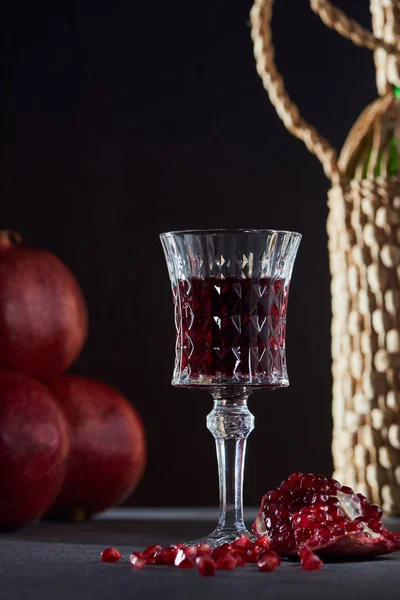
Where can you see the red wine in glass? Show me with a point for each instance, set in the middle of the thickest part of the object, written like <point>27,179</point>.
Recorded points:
<point>232,330</point>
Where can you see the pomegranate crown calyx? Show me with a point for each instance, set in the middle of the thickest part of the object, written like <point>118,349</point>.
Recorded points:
<point>9,238</point>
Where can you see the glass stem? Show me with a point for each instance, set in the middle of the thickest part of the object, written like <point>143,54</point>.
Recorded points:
<point>230,422</point>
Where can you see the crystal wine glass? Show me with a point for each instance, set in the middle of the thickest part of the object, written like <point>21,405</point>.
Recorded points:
<point>230,291</point>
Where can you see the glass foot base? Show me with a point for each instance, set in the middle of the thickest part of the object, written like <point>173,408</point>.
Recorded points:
<point>222,536</point>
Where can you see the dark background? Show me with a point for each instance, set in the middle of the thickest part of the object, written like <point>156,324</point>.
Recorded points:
<point>124,119</point>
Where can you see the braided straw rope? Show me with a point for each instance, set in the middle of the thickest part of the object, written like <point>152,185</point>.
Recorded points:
<point>349,28</point>
<point>364,239</point>
<point>261,15</point>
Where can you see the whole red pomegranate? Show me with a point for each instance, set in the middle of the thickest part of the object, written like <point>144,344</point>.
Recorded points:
<point>43,317</point>
<point>309,512</point>
<point>34,443</point>
<point>108,448</point>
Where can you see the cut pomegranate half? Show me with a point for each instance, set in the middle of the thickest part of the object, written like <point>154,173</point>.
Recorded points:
<point>311,511</point>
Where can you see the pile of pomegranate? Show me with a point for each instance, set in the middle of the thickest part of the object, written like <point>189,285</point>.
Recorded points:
<point>69,446</point>
<point>307,516</point>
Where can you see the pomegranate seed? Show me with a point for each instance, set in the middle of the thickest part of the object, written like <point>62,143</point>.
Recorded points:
<point>323,498</point>
<point>183,561</point>
<point>206,565</point>
<point>137,561</point>
<point>334,484</point>
<point>110,555</point>
<point>309,561</point>
<point>337,513</point>
<point>239,551</point>
<point>332,502</point>
<point>203,548</point>
<point>268,561</point>
<point>376,525</point>
<point>363,500</point>
<point>158,557</point>
<point>284,513</point>
<point>191,552</point>
<point>227,547</point>
<point>263,542</point>
<point>252,554</point>
<point>308,480</point>
<point>347,490</point>
<point>305,520</point>
<point>310,498</point>
<point>240,562</point>
<point>174,551</point>
<point>354,527</point>
<point>242,542</point>
<point>372,512</point>
<point>275,495</point>
<point>221,551</point>
<point>165,556</point>
<point>295,479</point>
<point>150,551</point>
<point>226,562</point>
<point>325,533</point>
<point>286,486</point>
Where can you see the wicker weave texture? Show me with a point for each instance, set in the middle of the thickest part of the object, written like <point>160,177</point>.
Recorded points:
<point>364,236</point>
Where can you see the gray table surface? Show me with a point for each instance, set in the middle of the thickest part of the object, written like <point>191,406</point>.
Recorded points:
<point>62,562</point>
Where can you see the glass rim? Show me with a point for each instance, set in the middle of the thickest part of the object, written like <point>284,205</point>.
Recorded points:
<point>220,231</point>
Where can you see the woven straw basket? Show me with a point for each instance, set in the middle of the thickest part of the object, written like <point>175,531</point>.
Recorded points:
<point>364,247</point>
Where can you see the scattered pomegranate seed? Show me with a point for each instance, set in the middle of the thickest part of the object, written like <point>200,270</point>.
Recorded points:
<point>150,551</point>
<point>268,561</point>
<point>227,562</point>
<point>183,561</point>
<point>252,554</point>
<point>309,561</point>
<point>242,542</point>
<point>203,548</point>
<point>137,561</point>
<point>263,542</point>
<point>206,565</point>
<point>221,551</point>
<point>240,562</point>
<point>226,547</point>
<point>165,556</point>
<point>174,551</point>
<point>191,552</point>
<point>239,551</point>
<point>110,555</point>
